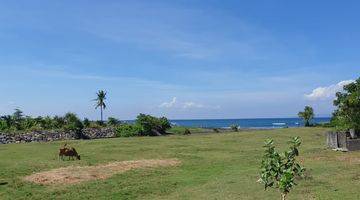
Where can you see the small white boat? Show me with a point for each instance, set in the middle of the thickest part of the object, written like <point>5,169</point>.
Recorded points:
<point>279,124</point>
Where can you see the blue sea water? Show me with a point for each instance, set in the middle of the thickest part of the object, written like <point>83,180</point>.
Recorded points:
<point>246,123</point>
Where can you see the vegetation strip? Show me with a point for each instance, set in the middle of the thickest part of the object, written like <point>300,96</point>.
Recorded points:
<point>77,174</point>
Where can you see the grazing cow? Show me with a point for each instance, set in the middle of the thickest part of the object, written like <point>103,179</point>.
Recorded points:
<point>70,152</point>
<point>62,151</point>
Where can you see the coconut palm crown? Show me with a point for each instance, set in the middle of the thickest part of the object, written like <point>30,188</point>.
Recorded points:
<point>100,102</point>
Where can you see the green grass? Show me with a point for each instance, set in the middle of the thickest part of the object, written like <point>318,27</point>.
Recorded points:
<point>214,166</point>
<point>180,130</point>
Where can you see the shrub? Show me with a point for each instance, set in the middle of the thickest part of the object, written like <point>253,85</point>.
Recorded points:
<point>58,122</point>
<point>19,122</point>
<point>113,121</point>
<point>86,123</point>
<point>280,170</point>
<point>73,123</point>
<point>47,123</point>
<point>164,123</point>
<point>187,132</point>
<point>127,130</point>
<point>7,121</point>
<point>234,127</point>
<point>95,125</point>
<point>216,130</point>
<point>2,125</point>
<point>29,122</point>
<point>152,126</point>
<point>324,125</point>
<point>100,123</point>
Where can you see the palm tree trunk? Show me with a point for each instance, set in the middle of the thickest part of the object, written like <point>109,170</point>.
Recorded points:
<point>101,110</point>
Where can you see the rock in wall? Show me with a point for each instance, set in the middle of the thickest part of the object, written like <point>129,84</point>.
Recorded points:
<point>53,135</point>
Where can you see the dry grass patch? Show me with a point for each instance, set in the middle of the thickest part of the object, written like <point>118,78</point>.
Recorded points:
<point>77,174</point>
<point>351,158</point>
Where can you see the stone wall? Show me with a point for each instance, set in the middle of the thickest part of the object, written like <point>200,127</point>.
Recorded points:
<point>353,144</point>
<point>93,133</point>
<point>342,140</point>
<point>332,140</point>
<point>53,135</point>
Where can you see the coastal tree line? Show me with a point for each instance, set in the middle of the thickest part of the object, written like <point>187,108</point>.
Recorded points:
<point>347,113</point>
<point>345,117</point>
<point>144,125</point>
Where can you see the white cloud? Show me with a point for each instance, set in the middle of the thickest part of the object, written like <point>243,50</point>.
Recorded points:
<point>174,103</point>
<point>168,104</point>
<point>187,105</point>
<point>323,93</point>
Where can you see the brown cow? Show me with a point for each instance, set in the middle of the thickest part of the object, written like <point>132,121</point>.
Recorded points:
<point>70,152</point>
<point>62,151</point>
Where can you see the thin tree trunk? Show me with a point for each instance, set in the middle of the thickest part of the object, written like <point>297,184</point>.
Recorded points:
<point>101,110</point>
<point>283,196</point>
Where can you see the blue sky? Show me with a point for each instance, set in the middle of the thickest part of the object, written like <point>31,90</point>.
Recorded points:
<point>180,59</point>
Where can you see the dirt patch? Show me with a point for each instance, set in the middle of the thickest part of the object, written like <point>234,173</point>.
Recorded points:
<point>351,159</point>
<point>345,158</point>
<point>77,174</point>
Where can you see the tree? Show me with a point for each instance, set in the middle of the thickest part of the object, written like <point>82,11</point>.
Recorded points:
<point>73,123</point>
<point>58,122</point>
<point>8,120</point>
<point>17,118</point>
<point>47,123</point>
<point>39,121</point>
<point>112,121</point>
<point>280,170</point>
<point>347,114</point>
<point>152,126</point>
<point>100,102</point>
<point>307,115</point>
<point>86,123</point>
<point>18,114</point>
<point>2,125</point>
<point>29,122</point>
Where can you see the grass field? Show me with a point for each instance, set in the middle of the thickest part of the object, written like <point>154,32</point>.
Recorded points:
<point>214,166</point>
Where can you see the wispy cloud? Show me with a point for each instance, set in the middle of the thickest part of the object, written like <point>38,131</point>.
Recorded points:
<point>168,30</point>
<point>172,43</point>
<point>192,105</point>
<point>174,103</point>
<point>168,104</point>
<point>327,92</point>
<point>64,73</point>
<point>67,75</point>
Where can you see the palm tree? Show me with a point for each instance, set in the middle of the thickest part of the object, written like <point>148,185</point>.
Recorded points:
<point>307,115</point>
<point>100,102</point>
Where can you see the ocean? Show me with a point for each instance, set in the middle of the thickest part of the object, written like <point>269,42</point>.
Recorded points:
<point>262,123</point>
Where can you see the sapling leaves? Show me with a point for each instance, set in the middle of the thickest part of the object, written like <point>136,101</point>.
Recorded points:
<point>280,170</point>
